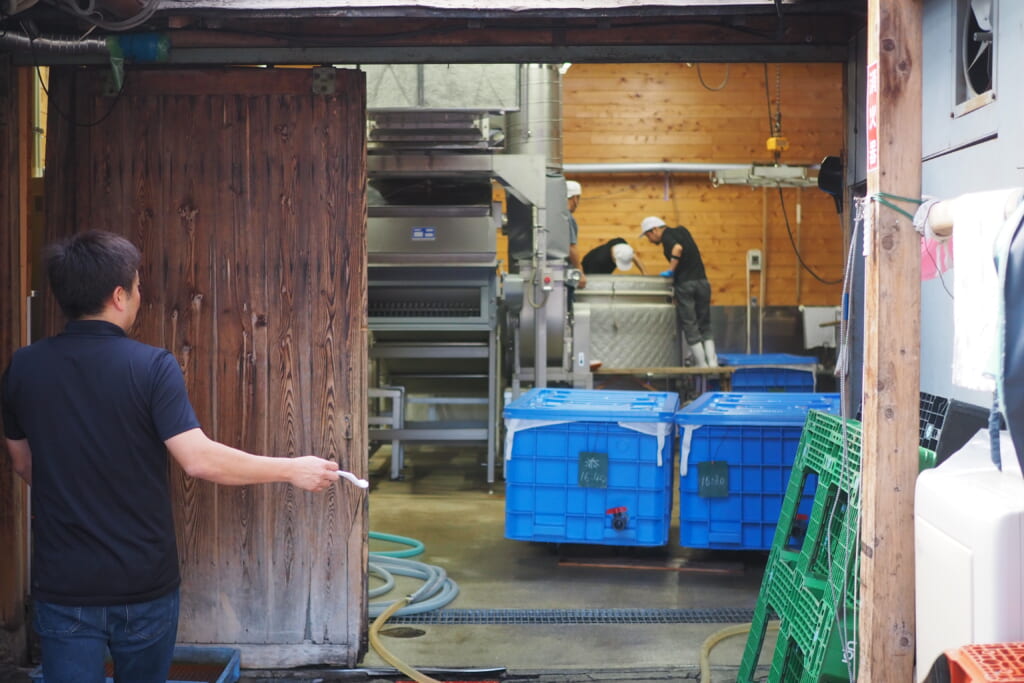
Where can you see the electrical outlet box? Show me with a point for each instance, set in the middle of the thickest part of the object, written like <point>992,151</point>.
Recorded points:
<point>753,259</point>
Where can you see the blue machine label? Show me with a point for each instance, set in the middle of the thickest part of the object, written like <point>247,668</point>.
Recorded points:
<point>424,234</point>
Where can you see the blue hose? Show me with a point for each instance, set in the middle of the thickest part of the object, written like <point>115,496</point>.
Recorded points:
<point>416,549</point>
<point>437,589</point>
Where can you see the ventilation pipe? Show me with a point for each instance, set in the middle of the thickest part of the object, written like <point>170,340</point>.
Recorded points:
<point>536,129</point>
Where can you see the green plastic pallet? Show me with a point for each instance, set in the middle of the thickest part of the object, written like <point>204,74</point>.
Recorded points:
<point>809,587</point>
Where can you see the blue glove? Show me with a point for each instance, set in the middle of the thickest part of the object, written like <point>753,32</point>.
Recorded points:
<point>666,273</point>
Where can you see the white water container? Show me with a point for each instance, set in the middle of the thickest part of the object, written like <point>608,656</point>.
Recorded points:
<point>969,551</point>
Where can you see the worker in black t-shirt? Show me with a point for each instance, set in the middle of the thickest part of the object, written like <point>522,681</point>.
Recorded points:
<point>690,287</point>
<point>604,259</point>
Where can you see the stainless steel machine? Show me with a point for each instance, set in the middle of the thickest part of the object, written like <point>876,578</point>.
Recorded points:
<point>631,321</point>
<point>437,307</point>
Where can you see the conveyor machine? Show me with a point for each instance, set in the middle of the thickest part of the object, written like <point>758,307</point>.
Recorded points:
<point>433,294</point>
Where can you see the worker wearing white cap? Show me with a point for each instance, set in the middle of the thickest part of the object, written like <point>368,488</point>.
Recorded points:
<point>690,287</point>
<point>605,258</point>
<point>573,191</point>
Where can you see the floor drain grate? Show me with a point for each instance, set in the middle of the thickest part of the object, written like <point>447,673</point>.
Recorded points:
<point>580,616</point>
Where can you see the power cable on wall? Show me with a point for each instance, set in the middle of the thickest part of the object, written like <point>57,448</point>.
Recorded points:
<point>724,82</point>
<point>53,103</point>
<point>796,250</point>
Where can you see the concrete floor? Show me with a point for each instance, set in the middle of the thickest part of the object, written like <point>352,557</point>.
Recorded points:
<point>444,501</point>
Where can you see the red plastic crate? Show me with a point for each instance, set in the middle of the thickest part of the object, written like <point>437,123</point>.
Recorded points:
<point>996,663</point>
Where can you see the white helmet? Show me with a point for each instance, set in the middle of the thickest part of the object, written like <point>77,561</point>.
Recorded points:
<point>623,255</point>
<point>650,223</point>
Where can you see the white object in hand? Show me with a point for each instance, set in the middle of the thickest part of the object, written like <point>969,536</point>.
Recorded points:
<point>361,483</point>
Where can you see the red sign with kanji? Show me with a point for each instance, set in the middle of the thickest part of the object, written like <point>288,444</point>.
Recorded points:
<point>872,113</point>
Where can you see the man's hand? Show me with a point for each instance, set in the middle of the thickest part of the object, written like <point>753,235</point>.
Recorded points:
<point>313,473</point>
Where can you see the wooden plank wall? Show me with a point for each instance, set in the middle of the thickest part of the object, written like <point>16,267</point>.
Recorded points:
<point>245,192</point>
<point>15,122</point>
<point>635,113</point>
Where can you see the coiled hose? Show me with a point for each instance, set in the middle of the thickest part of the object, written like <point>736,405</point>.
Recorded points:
<point>437,589</point>
<point>436,592</point>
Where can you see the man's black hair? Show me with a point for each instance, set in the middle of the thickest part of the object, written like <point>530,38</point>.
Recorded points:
<point>86,268</point>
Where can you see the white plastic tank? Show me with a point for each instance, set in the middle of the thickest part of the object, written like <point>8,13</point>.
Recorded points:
<point>969,551</point>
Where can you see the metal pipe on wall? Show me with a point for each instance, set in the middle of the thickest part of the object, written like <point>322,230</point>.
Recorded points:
<point>537,129</point>
<point>54,44</point>
<point>763,275</point>
<point>652,167</point>
<point>799,221</point>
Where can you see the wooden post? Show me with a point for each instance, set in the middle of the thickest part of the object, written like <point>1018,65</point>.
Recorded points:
<point>891,344</point>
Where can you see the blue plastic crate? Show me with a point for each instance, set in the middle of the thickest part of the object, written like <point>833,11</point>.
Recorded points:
<point>778,372</point>
<point>736,455</point>
<point>192,663</point>
<point>589,467</point>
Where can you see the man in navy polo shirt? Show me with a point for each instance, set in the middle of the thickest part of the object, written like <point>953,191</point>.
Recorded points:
<point>89,417</point>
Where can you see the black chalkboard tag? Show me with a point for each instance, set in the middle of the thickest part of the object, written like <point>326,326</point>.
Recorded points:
<point>713,479</point>
<point>593,470</point>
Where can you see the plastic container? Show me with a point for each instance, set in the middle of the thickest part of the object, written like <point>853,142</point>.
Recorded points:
<point>774,372</point>
<point>983,663</point>
<point>589,467</point>
<point>736,454</point>
<point>969,551</point>
<point>191,663</point>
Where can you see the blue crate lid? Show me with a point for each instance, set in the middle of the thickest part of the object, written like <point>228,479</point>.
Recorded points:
<point>594,406</point>
<point>765,359</point>
<point>755,408</point>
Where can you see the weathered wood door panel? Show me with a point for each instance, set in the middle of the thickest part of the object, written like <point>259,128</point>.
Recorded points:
<point>14,135</point>
<point>245,191</point>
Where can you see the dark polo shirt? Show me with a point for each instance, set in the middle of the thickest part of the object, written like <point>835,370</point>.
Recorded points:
<point>599,260</point>
<point>96,408</point>
<point>691,265</point>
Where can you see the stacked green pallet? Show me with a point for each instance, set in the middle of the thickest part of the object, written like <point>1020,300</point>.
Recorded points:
<point>810,580</point>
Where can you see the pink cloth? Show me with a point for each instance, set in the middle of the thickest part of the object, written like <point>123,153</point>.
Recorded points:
<point>936,258</point>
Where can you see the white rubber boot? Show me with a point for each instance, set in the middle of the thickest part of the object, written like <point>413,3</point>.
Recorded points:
<point>709,353</point>
<point>699,359</point>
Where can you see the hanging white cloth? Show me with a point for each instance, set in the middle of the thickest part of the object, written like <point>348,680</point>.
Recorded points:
<point>977,220</point>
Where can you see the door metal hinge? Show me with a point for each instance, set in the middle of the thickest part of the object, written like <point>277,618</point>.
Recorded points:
<point>323,80</point>
<point>347,426</point>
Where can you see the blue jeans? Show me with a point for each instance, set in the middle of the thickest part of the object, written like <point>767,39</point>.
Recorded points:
<point>139,636</point>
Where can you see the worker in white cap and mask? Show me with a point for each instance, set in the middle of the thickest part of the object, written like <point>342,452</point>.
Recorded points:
<point>613,254</point>
<point>690,287</point>
<point>573,190</point>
